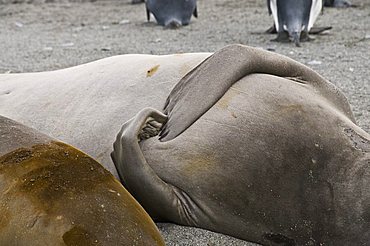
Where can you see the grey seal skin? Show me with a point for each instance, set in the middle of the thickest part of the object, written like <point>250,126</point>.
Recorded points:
<point>256,146</point>
<point>53,194</point>
<point>172,13</point>
<point>293,19</point>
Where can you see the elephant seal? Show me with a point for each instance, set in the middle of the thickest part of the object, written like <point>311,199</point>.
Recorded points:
<point>87,104</point>
<point>171,13</point>
<point>256,146</point>
<point>53,194</point>
<point>293,19</point>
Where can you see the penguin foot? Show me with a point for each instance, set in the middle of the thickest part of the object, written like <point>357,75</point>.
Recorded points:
<point>271,30</point>
<point>137,1</point>
<point>318,30</point>
<point>305,37</point>
<point>339,4</point>
<point>282,37</point>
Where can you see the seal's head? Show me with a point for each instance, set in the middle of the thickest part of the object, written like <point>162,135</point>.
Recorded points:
<point>172,13</point>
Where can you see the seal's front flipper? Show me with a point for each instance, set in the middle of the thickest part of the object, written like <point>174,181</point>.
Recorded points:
<point>203,86</point>
<point>317,30</point>
<point>161,200</point>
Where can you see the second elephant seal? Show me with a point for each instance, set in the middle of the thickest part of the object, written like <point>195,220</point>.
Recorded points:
<point>53,194</point>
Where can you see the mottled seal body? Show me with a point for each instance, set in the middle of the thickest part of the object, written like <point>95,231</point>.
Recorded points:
<point>53,194</point>
<point>172,13</point>
<point>293,19</point>
<point>276,160</point>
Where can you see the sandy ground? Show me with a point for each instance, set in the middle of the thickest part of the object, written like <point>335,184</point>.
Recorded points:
<point>39,37</point>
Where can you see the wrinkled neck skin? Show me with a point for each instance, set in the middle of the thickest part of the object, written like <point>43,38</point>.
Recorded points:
<point>352,226</point>
<point>333,206</point>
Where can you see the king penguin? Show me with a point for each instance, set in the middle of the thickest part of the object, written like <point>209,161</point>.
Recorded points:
<point>171,13</point>
<point>293,19</point>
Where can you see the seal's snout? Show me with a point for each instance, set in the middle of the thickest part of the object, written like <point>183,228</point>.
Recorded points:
<point>173,24</point>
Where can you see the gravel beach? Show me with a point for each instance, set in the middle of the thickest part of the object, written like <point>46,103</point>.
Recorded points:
<point>38,36</point>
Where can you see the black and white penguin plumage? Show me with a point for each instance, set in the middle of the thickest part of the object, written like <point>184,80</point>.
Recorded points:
<point>293,19</point>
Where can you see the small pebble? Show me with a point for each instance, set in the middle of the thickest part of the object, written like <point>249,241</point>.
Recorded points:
<point>105,49</point>
<point>123,22</point>
<point>314,62</point>
<point>70,44</point>
<point>18,24</point>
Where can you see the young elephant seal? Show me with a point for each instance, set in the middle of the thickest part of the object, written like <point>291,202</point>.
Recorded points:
<point>256,146</point>
<point>53,194</point>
